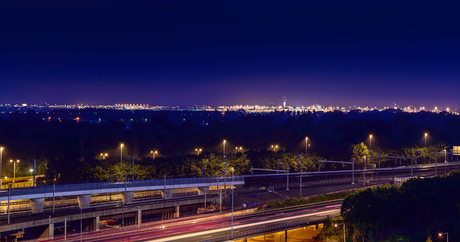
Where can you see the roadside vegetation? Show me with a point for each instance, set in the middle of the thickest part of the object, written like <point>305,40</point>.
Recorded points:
<point>417,206</point>
<point>313,199</point>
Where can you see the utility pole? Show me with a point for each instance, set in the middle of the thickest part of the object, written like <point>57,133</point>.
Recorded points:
<point>300,156</point>
<point>364,172</point>
<point>35,162</point>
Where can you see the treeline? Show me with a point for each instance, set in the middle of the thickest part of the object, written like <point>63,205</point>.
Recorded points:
<point>415,206</point>
<point>65,147</point>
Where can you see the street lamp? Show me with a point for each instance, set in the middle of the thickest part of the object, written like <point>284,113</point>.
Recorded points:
<point>198,151</point>
<point>445,156</point>
<point>447,235</point>
<point>425,147</point>
<point>233,174</point>
<point>154,154</point>
<point>14,169</point>
<point>104,155</point>
<point>238,149</point>
<point>1,164</point>
<point>336,225</point>
<point>364,171</point>
<point>81,217</point>
<point>306,147</point>
<point>370,148</point>
<point>370,142</point>
<point>121,162</point>
<point>226,166</point>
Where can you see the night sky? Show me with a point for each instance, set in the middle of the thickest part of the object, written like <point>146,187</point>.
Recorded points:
<point>230,52</point>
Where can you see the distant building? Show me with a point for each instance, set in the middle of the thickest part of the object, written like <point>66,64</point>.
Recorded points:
<point>284,102</point>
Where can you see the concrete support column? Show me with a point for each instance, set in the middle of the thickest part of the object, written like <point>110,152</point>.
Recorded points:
<point>37,205</point>
<point>177,214</point>
<point>84,200</point>
<point>203,190</point>
<point>96,223</point>
<point>51,231</point>
<point>168,193</point>
<point>139,216</point>
<point>127,197</point>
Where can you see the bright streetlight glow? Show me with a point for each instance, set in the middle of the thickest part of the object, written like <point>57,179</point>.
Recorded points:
<point>336,225</point>
<point>198,151</point>
<point>447,235</point>
<point>121,162</point>
<point>426,134</point>
<point>153,153</point>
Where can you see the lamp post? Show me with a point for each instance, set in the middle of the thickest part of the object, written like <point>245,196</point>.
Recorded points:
<point>1,164</point>
<point>233,170</point>
<point>306,147</point>
<point>104,155</point>
<point>372,156</point>
<point>225,176</point>
<point>370,142</point>
<point>425,147</point>
<point>153,154</point>
<point>343,229</point>
<point>198,151</point>
<point>14,169</point>
<point>121,162</point>
<point>238,149</point>
<point>300,157</point>
<point>445,156</point>
<point>81,219</point>
<point>364,171</point>
<point>447,235</point>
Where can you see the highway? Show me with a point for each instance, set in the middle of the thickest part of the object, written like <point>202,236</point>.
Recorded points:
<point>210,227</point>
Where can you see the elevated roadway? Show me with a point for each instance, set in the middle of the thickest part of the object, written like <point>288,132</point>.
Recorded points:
<point>218,227</point>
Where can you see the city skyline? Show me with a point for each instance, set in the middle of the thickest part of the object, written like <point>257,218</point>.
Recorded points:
<point>10,108</point>
<point>219,53</point>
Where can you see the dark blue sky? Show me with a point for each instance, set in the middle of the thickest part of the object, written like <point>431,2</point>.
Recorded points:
<point>230,52</point>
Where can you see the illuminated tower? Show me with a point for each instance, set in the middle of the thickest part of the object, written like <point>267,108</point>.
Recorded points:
<point>284,102</point>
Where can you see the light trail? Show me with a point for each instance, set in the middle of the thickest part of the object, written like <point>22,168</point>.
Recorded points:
<point>242,226</point>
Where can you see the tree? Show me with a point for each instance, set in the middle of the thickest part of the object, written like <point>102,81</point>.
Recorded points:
<point>359,151</point>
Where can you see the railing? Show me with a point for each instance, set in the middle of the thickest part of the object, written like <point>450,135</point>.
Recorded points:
<point>271,229</point>
<point>116,185</point>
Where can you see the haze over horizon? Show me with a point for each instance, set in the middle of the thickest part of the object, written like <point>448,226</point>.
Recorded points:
<point>228,53</point>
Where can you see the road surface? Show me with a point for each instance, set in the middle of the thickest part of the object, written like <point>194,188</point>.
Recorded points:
<point>208,227</point>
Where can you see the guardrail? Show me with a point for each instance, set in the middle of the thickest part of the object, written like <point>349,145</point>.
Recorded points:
<point>159,184</point>
<point>271,229</point>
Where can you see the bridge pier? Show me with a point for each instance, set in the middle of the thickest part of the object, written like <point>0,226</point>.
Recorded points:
<point>84,200</point>
<point>127,197</point>
<point>37,204</point>
<point>177,214</point>
<point>95,224</point>
<point>139,216</point>
<point>51,230</point>
<point>168,193</point>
